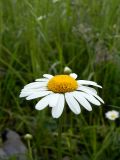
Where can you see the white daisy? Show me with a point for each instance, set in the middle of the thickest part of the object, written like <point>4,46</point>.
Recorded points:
<point>112,115</point>
<point>55,90</point>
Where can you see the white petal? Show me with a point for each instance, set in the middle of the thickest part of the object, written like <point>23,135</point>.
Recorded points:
<point>42,103</point>
<point>42,80</point>
<point>73,75</point>
<point>83,88</point>
<point>25,94</point>
<point>34,89</point>
<point>49,76</point>
<point>87,89</point>
<point>58,109</point>
<point>100,99</point>
<point>90,98</point>
<point>35,85</point>
<point>53,99</point>
<point>38,95</point>
<point>85,82</point>
<point>82,101</point>
<point>72,103</point>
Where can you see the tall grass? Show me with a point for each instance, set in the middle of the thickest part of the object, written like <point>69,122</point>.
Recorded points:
<point>42,37</point>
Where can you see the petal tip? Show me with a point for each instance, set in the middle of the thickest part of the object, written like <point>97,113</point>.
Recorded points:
<point>73,75</point>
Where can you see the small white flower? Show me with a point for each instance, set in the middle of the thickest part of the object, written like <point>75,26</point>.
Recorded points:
<point>67,70</point>
<point>41,17</point>
<point>112,115</point>
<point>54,1</point>
<point>55,90</point>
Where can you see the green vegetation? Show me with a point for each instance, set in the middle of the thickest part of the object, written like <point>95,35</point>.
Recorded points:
<point>39,36</point>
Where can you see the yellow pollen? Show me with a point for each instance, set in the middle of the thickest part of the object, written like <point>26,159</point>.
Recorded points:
<point>62,84</point>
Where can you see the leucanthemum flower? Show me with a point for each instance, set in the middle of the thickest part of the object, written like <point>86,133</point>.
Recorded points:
<point>112,115</point>
<point>55,90</point>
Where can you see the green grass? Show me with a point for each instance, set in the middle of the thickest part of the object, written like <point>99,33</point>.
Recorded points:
<point>84,35</point>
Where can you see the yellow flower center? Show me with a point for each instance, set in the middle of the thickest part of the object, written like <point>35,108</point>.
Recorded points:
<point>62,84</point>
<point>113,116</point>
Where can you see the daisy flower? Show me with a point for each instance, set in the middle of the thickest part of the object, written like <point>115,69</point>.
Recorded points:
<point>112,115</point>
<point>56,90</point>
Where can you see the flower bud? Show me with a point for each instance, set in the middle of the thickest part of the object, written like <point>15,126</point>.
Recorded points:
<point>28,136</point>
<point>67,70</point>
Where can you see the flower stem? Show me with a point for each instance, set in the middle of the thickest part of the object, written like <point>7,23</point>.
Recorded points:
<point>60,139</point>
<point>29,150</point>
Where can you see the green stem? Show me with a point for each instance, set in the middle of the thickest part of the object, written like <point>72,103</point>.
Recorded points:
<point>29,150</point>
<point>60,139</point>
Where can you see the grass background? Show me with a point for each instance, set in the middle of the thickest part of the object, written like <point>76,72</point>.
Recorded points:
<point>43,36</point>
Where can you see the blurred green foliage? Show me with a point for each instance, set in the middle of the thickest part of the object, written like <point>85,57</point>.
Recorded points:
<point>44,36</point>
